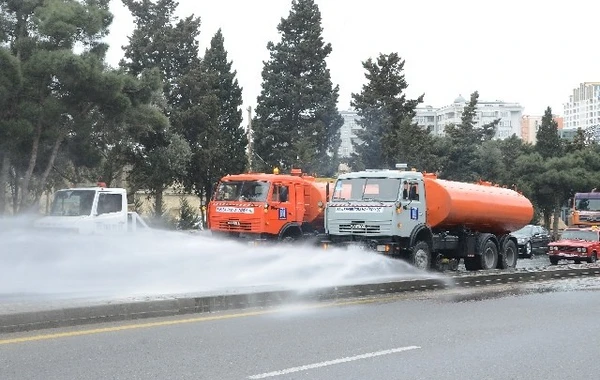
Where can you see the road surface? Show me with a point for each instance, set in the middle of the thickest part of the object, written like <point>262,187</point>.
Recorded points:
<point>534,331</point>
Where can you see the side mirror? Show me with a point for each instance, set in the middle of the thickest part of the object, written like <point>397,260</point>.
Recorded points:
<point>570,202</point>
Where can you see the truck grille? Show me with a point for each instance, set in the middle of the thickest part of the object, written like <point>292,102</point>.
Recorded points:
<point>359,228</point>
<point>235,225</point>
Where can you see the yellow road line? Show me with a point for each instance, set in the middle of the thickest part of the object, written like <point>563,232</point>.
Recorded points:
<point>182,321</point>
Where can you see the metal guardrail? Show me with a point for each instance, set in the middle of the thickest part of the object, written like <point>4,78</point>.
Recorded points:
<point>206,304</point>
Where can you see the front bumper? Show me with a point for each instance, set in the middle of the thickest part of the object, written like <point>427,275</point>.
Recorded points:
<point>383,245</point>
<point>568,256</point>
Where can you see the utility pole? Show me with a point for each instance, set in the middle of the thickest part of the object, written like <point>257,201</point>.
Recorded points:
<point>249,136</point>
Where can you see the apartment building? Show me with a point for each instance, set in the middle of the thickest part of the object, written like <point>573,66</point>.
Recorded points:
<point>583,108</point>
<point>487,111</point>
<point>530,124</point>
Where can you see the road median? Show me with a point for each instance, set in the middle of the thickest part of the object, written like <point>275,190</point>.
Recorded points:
<point>113,311</point>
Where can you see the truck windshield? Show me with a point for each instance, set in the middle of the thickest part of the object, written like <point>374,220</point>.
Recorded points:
<point>359,189</point>
<point>254,191</point>
<point>587,204</point>
<point>580,235</point>
<point>73,203</point>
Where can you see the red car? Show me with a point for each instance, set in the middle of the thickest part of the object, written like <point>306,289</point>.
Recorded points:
<point>579,244</point>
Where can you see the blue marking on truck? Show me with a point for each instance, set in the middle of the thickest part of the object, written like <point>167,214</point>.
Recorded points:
<point>414,213</point>
<point>283,213</point>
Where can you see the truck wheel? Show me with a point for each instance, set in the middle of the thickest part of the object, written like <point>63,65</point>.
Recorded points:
<point>420,255</point>
<point>489,255</point>
<point>508,258</point>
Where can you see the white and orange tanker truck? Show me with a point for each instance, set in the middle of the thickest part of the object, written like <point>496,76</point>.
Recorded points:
<point>427,220</point>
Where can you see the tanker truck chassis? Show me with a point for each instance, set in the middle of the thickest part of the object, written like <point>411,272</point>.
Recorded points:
<point>425,220</point>
<point>441,251</point>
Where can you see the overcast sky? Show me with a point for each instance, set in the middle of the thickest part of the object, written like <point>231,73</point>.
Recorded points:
<point>524,51</point>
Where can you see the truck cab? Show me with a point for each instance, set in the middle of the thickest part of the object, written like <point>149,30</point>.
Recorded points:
<point>578,244</point>
<point>90,210</point>
<point>585,209</point>
<point>371,206</point>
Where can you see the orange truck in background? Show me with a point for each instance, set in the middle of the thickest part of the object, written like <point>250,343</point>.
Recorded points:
<point>585,209</point>
<point>262,206</point>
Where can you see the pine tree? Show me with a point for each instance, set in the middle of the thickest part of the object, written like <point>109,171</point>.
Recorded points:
<point>224,84</point>
<point>211,120</point>
<point>548,141</point>
<point>187,215</point>
<point>165,43</point>
<point>579,142</point>
<point>161,40</point>
<point>57,49</point>
<point>386,116</point>
<point>297,122</point>
<point>466,139</point>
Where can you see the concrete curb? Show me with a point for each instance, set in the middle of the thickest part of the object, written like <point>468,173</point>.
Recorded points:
<point>28,321</point>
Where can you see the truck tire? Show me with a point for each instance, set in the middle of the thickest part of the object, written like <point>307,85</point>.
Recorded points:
<point>420,255</point>
<point>508,258</point>
<point>489,255</point>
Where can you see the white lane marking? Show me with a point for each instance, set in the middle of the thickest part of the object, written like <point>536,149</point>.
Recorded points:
<point>332,362</point>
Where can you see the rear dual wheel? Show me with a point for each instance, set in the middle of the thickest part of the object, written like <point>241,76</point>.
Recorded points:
<point>509,256</point>
<point>491,259</point>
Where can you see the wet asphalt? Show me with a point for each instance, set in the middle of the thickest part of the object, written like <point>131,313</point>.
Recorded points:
<point>533,331</point>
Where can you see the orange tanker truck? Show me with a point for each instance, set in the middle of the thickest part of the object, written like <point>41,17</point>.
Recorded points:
<point>261,206</point>
<point>428,221</point>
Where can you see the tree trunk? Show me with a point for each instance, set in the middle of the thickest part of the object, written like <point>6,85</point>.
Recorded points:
<point>46,173</point>
<point>547,218</point>
<point>556,217</point>
<point>4,182</point>
<point>158,203</point>
<point>32,162</point>
<point>14,186</point>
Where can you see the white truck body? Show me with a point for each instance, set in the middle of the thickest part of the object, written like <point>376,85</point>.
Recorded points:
<point>91,210</point>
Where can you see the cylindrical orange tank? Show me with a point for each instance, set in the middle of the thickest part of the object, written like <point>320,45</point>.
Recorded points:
<point>317,191</point>
<point>477,206</point>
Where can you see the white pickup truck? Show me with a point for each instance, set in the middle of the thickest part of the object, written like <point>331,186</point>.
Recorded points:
<point>91,210</point>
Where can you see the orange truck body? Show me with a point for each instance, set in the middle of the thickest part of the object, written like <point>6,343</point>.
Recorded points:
<point>275,207</point>
<point>478,206</point>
